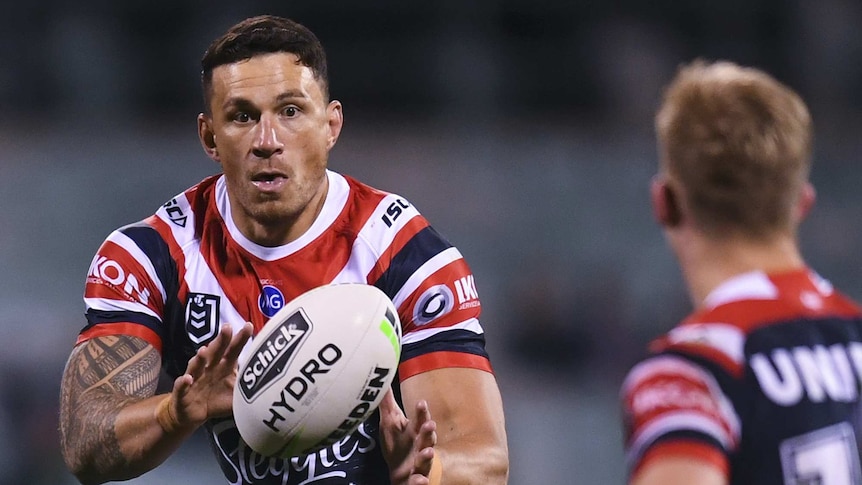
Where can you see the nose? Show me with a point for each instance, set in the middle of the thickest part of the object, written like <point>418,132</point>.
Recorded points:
<point>266,141</point>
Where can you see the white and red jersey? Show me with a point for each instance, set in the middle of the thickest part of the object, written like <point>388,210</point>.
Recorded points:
<point>764,382</point>
<point>174,277</point>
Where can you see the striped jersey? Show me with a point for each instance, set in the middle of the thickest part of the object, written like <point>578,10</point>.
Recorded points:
<point>172,278</point>
<point>764,382</point>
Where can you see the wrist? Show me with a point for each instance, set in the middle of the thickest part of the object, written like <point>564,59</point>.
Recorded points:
<point>165,415</point>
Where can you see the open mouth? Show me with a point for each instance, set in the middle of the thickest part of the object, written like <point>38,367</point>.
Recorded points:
<point>269,181</point>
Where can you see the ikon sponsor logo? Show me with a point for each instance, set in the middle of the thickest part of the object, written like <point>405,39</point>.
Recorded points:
<point>466,288</point>
<point>110,271</point>
<point>432,303</point>
<point>273,355</point>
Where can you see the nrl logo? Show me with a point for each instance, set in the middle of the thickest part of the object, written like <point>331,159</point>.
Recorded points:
<point>202,317</point>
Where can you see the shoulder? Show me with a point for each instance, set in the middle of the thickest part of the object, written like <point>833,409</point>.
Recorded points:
<point>367,194</point>
<point>701,351</point>
<point>748,304</point>
<point>196,199</point>
<point>380,217</point>
<point>355,184</point>
<point>707,337</point>
<point>156,243</point>
<point>179,220</point>
<point>673,405</point>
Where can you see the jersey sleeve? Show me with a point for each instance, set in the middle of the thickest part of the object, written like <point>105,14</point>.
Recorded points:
<point>434,290</point>
<point>127,286</point>
<point>674,406</point>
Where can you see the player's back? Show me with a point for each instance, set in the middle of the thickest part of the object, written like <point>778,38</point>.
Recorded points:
<point>764,383</point>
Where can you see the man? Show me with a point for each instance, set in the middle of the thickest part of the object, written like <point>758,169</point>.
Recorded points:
<point>183,291</point>
<point>760,384</point>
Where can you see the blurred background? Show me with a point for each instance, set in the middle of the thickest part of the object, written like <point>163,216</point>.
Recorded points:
<point>521,128</point>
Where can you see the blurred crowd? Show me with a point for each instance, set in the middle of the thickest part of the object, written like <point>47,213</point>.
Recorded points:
<point>585,59</point>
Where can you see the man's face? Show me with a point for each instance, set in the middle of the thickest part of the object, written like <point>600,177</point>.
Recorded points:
<point>271,130</point>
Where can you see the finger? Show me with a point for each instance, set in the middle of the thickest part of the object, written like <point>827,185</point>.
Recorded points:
<point>238,341</point>
<point>213,352</point>
<point>426,436</point>
<point>422,462</point>
<point>182,385</point>
<point>196,365</point>
<point>388,405</point>
<point>423,415</point>
<point>418,480</point>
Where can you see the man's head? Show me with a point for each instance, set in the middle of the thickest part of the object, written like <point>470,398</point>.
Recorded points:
<point>262,35</point>
<point>735,149</point>
<point>270,124</point>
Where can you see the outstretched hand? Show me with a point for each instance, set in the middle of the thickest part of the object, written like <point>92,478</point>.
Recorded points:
<point>206,389</point>
<point>408,447</point>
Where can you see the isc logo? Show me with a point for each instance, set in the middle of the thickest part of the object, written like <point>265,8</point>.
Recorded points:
<point>110,271</point>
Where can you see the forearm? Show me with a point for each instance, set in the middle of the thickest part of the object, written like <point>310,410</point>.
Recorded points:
<point>466,462</point>
<point>108,425</point>
<point>109,439</point>
<point>471,431</point>
<point>112,427</point>
<point>143,439</point>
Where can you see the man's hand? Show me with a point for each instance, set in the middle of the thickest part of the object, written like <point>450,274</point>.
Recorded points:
<point>206,389</point>
<point>408,447</point>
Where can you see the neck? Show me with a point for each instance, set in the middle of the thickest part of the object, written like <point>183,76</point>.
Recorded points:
<point>707,263</point>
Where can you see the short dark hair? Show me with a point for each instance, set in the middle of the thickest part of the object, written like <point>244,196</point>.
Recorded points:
<point>264,34</point>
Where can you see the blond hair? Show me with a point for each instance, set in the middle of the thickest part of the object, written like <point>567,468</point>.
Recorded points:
<point>739,144</point>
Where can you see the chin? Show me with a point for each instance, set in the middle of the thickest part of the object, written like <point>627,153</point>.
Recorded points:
<point>273,213</point>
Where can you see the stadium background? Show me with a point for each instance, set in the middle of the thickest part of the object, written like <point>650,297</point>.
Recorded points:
<point>520,128</point>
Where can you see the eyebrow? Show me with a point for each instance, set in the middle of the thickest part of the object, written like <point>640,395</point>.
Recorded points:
<point>291,94</point>
<point>243,102</point>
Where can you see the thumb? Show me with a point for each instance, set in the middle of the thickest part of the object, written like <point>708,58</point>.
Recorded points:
<point>389,409</point>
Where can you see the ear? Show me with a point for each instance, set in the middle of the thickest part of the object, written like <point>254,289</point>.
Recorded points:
<point>805,202</point>
<point>335,114</point>
<point>207,137</point>
<point>665,202</point>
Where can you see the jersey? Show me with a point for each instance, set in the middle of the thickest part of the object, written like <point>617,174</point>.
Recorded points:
<point>763,382</point>
<point>173,278</point>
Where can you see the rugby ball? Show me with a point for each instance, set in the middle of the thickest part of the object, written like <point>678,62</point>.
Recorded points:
<point>317,369</point>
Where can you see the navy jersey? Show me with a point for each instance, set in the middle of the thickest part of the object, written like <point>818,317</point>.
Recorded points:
<point>173,278</point>
<point>763,382</point>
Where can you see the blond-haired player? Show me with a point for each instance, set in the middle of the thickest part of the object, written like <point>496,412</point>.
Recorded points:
<point>760,384</point>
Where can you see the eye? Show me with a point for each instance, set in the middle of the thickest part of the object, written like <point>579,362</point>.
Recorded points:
<point>241,117</point>
<point>290,111</point>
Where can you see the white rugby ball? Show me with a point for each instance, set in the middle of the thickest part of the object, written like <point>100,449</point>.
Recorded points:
<point>317,369</point>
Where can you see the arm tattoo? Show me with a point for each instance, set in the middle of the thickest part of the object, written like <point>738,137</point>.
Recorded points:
<point>102,376</point>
